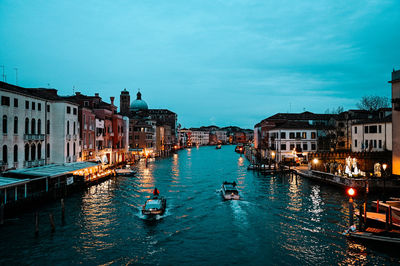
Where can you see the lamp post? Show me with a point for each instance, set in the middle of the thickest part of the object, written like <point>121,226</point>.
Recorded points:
<point>384,166</point>
<point>315,161</point>
<point>351,192</point>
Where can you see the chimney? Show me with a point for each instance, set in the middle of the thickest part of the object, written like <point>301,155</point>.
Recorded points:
<point>112,100</point>
<point>77,93</point>
<point>96,94</point>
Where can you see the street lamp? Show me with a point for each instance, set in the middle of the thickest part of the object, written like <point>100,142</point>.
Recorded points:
<point>351,192</point>
<point>384,166</point>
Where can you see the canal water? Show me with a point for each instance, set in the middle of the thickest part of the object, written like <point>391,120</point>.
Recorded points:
<point>278,221</point>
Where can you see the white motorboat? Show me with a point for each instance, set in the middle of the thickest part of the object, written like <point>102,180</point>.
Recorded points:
<point>229,191</point>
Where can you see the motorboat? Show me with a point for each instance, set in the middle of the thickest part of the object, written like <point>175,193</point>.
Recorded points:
<point>154,206</point>
<point>229,191</point>
<point>218,146</point>
<point>126,171</point>
<point>239,148</point>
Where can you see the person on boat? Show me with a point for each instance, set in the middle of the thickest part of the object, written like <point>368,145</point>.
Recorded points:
<point>156,192</point>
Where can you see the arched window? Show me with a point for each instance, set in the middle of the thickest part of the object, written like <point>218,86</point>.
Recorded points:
<point>74,149</point>
<point>15,153</point>
<point>67,149</point>
<point>48,127</point>
<point>4,124</point>
<point>33,152</point>
<point>27,152</point>
<point>33,126</point>
<point>26,125</point>
<point>39,151</point>
<point>16,125</point>
<point>74,128</point>
<point>39,126</point>
<point>48,150</point>
<point>67,127</point>
<point>5,159</point>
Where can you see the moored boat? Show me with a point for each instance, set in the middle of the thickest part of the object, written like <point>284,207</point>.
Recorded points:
<point>229,191</point>
<point>127,171</point>
<point>218,146</point>
<point>154,206</point>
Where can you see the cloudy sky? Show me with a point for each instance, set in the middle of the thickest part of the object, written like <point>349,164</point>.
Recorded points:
<point>212,62</point>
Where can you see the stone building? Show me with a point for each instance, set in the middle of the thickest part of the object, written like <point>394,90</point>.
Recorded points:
<point>395,122</point>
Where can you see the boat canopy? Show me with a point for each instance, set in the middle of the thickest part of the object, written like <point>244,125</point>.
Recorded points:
<point>153,204</point>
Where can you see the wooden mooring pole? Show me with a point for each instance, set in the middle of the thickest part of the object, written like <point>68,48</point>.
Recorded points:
<point>351,211</point>
<point>62,211</point>
<point>53,227</point>
<point>2,214</point>
<point>36,223</point>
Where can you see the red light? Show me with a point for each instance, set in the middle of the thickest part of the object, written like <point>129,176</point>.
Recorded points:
<point>351,192</point>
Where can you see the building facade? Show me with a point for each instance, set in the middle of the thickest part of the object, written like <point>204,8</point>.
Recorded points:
<point>395,122</point>
<point>372,136</point>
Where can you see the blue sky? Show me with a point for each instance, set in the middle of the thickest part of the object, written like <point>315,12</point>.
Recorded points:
<point>212,62</point>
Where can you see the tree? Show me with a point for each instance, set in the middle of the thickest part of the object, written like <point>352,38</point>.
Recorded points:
<point>373,103</point>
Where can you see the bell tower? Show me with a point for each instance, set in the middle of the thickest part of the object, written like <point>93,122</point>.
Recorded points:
<point>124,101</point>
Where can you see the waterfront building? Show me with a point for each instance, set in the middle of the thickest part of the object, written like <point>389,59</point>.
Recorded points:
<point>292,140</point>
<point>372,135</point>
<point>154,130</point>
<point>395,122</point>
<point>107,143</point>
<point>184,138</point>
<point>199,136</point>
<point>221,136</point>
<point>38,127</point>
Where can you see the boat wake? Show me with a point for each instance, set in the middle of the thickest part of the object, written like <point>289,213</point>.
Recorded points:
<point>152,218</point>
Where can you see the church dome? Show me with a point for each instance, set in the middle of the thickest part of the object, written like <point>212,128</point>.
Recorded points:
<point>138,104</point>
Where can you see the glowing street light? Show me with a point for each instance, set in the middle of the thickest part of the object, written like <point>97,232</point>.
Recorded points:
<point>315,161</point>
<point>351,192</point>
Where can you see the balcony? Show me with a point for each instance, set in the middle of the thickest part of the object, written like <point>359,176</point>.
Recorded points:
<point>36,137</point>
<point>75,137</point>
<point>68,137</point>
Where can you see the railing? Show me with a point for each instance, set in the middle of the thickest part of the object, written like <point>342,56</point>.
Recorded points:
<point>68,137</point>
<point>15,165</point>
<point>33,137</point>
<point>75,137</point>
<point>42,162</point>
<point>74,158</point>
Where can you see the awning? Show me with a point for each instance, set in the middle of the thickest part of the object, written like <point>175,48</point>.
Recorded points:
<point>51,170</point>
<point>11,182</point>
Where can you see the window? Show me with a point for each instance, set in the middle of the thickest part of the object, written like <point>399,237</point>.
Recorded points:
<point>74,150</point>
<point>16,125</point>
<point>5,100</point>
<point>355,130</point>
<point>366,144</point>
<point>341,133</point>
<point>355,143</point>
<point>374,143</point>
<point>298,147</point>
<point>15,102</point>
<point>283,147</point>
<point>304,135</point>
<point>373,129</point>
<point>39,107</point>
<point>67,127</point>
<point>341,124</point>
<point>291,146</point>
<point>39,126</point>
<point>67,149</point>
<point>27,152</point>
<point>5,159</point>
<point>291,135</point>
<point>4,124</point>
<point>33,106</point>
<point>313,135</point>
<point>380,144</point>
<point>75,112</point>
<point>86,103</point>
<point>305,146</point>
<point>39,151</point>
<point>68,109</point>
<point>15,153</point>
<point>26,104</point>
<point>26,125</point>
<point>341,144</point>
<point>33,126</point>
<point>313,146</point>
<point>365,129</point>
<point>48,150</point>
<point>48,127</point>
<point>298,135</point>
<point>48,108</point>
<point>33,152</point>
<point>380,129</point>
<point>74,128</point>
